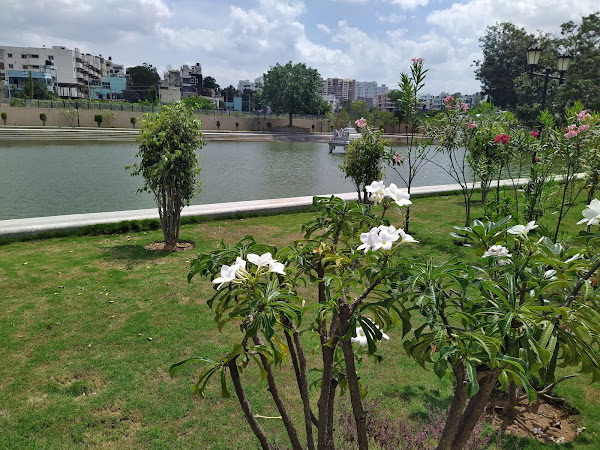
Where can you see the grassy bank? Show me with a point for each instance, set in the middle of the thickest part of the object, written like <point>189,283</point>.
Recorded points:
<point>90,325</point>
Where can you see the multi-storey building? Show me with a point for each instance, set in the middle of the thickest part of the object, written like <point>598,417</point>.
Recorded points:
<point>170,86</point>
<point>369,89</point>
<point>436,102</point>
<point>73,73</point>
<point>384,103</point>
<point>342,88</point>
<point>191,80</point>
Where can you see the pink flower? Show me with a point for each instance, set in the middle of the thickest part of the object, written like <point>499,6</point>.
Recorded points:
<point>570,134</point>
<point>471,125</point>
<point>417,61</point>
<point>535,133</point>
<point>449,102</point>
<point>503,138</point>
<point>583,128</point>
<point>361,123</point>
<point>538,159</point>
<point>397,157</point>
<point>571,127</point>
<point>583,115</point>
<point>464,107</point>
<point>448,128</point>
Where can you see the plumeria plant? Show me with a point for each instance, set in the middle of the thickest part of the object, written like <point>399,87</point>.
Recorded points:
<point>348,255</point>
<point>531,306</point>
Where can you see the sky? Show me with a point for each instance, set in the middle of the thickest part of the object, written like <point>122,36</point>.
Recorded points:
<point>367,40</point>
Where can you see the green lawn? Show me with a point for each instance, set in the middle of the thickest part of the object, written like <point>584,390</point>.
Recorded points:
<point>91,324</point>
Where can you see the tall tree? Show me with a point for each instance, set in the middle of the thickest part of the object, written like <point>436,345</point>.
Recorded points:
<point>292,89</point>
<point>504,49</point>
<point>582,80</point>
<point>141,80</point>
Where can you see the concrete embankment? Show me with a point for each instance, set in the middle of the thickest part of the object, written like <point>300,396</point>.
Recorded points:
<point>36,225</point>
<point>128,134</point>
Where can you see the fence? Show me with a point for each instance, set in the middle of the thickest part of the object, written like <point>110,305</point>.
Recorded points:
<point>140,108</point>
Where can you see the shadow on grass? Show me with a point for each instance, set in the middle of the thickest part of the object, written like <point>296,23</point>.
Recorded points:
<point>134,254</point>
<point>421,395</point>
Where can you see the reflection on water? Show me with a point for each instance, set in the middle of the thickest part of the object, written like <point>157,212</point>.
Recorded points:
<point>55,178</point>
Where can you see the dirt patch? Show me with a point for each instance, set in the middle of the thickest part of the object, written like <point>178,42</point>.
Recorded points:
<point>543,421</point>
<point>163,247</point>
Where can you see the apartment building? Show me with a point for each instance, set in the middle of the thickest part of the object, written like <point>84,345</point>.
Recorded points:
<point>436,102</point>
<point>342,88</point>
<point>384,103</point>
<point>170,86</point>
<point>73,74</point>
<point>369,89</point>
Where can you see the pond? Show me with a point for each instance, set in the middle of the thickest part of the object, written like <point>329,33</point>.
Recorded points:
<point>56,178</point>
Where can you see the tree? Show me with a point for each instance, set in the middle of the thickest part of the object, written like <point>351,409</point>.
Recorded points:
<point>35,89</point>
<point>98,119</point>
<point>209,82</point>
<point>200,103</point>
<point>229,92</point>
<point>168,162</point>
<point>504,49</point>
<point>43,118</point>
<point>581,82</point>
<point>140,83</point>
<point>292,89</point>
<point>109,118</point>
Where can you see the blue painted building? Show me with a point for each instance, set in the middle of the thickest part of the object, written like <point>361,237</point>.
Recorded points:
<point>111,88</point>
<point>18,78</point>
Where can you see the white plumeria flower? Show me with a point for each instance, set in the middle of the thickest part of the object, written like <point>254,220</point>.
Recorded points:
<point>369,240</point>
<point>549,274</point>
<point>399,196</point>
<point>228,273</point>
<point>276,267</point>
<point>361,337</point>
<point>377,191</point>
<point>263,260</point>
<point>573,258</point>
<point>405,237</point>
<point>496,250</point>
<point>522,230</point>
<point>386,239</point>
<point>591,214</point>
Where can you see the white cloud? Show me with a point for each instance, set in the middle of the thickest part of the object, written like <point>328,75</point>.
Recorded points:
<point>410,4</point>
<point>390,18</point>
<point>472,17</point>
<point>323,28</point>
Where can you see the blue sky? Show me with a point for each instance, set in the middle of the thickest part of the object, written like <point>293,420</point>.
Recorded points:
<point>368,40</point>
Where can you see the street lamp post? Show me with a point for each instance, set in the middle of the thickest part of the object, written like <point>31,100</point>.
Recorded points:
<point>533,58</point>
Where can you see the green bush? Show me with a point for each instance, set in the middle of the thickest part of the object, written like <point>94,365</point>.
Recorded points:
<point>98,119</point>
<point>4,116</point>
<point>43,118</point>
<point>133,120</point>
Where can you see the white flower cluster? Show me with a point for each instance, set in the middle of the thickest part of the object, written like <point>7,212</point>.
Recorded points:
<point>237,271</point>
<point>361,337</point>
<point>498,251</point>
<point>383,237</point>
<point>591,215</point>
<point>378,192</point>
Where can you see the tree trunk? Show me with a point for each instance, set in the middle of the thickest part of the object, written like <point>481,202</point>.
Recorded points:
<point>290,115</point>
<point>360,417</point>
<point>513,399</point>
<point>245,404</point>
<point>456,408</point>
<point>475,409</point>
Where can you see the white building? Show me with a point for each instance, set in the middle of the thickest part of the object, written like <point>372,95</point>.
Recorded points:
<point>73,72</point>
<point>342,88</point>
<point>369,89</point>
<point>436,102</point>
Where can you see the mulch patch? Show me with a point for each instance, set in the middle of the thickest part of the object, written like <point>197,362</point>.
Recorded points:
<point>163,247</point>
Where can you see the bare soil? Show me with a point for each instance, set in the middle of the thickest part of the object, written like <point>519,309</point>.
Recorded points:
<point>541,420</point>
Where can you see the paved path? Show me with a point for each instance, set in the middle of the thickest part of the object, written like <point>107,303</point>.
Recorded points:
<point>35,225</point>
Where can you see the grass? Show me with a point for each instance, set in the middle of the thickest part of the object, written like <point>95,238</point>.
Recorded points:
<point>90,325</point>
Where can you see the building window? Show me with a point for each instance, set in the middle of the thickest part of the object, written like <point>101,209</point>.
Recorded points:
<point>10,66</point>
<point>23,56</point>
<point>35,56</point>
<point>9,55</point>
<point>51,58</point>
<point>35,67</point>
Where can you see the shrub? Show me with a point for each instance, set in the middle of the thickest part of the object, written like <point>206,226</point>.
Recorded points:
<point>4,116</point>
<point>169,164</point>
<point>237,124</point>
<point>43,118</point>
<point>70,115</point>
<point>98,119</point>
<point>269,125</point>
<point>109,117</point>
<point>218,125</point>
<point>133,120</point>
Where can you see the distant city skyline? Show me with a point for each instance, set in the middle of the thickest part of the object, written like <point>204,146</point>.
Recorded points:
<point>365,40</point>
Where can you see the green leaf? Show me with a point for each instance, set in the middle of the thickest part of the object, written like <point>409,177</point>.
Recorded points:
<point>175,367</point>
<point>224,391</point>
<point>473,386</point>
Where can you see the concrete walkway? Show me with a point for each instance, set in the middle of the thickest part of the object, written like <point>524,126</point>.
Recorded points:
<point>35,225</point>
